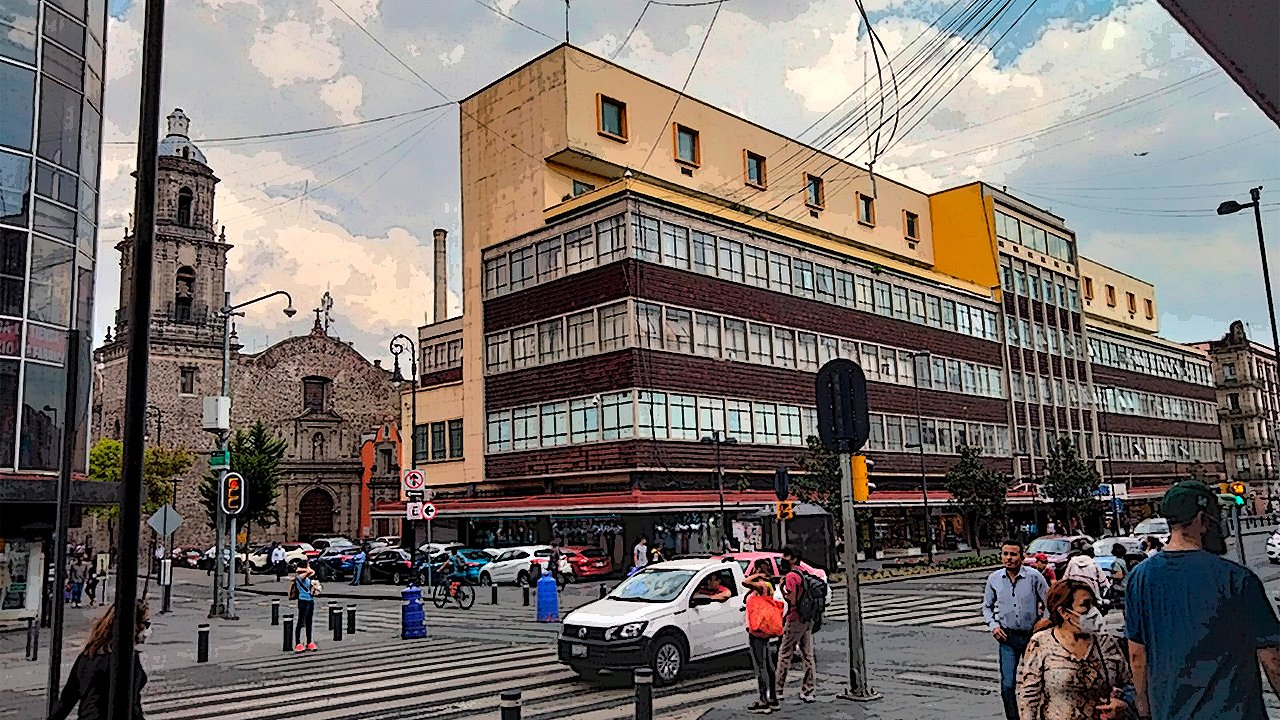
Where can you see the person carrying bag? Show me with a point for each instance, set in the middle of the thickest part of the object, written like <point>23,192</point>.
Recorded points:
<point>764,623</point>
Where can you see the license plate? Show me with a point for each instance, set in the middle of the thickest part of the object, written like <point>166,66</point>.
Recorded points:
<point>599,563</point>
<point>578,650</point>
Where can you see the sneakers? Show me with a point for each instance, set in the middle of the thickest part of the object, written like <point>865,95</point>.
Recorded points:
<point>312,646</point>
<point>807,697</point>
<point>761,708</point>
<point>298,648</point>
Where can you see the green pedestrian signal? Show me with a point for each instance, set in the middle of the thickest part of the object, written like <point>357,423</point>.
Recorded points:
<point>220,459</point>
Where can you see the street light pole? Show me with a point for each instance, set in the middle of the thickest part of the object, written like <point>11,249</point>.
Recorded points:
<point>718,438</point>
<point>1111,468</point>
<point>229,311</point>
<point>1227,208</point>
<point>924,477</point>
<point>399,344</point>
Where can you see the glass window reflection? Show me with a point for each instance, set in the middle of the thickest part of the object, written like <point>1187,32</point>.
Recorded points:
<point>74,8</point>
<point>15,188</point>
<point>18,30</point>
<point>63,65</point>
<point>59,124</point>
<point>17,97</point>
<point>8,408</point>
<point>42,417</point>
<point>13,271</point>
<point>54,220</point>
<point>64,30</point>
<point>56,185</point>
<point>89,146</point>
<point>49,292</point>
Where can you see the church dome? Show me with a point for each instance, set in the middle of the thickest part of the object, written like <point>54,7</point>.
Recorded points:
<point>176,143</point>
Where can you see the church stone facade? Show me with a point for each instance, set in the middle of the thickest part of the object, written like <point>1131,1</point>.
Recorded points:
<point>313,390</point>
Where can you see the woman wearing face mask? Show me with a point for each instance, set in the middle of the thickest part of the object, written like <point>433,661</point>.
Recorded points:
<point>89,685</point>
<point>1071,671</point>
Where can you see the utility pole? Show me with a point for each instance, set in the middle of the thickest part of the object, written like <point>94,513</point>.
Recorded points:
<point>924,477</point>
<point>139,354</point>
<point>70,432</point>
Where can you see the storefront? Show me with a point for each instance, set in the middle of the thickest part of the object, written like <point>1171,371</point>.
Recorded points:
<point>20,563</point>
<point>599,531</point>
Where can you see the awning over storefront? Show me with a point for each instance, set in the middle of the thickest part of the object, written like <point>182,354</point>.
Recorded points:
<point>634,502</point>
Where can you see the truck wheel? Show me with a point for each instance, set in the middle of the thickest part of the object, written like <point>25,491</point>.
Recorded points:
<point>667,660</point>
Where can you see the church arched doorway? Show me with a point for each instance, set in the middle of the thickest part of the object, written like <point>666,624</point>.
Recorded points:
<point>315,515</point>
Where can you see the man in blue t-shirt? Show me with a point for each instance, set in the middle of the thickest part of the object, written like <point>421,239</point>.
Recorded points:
<point>1199,625</point>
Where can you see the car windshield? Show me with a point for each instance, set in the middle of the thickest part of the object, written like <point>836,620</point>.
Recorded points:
<point>1054,546</point>
<point>475,555</point>
<point>1152,525</point>
<point>652,585</point>
<point>1102,548</point>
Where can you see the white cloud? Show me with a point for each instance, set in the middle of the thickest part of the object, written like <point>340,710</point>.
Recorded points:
<point>344,95</point>
<point>280,56</point>
<point>453,57</point>
<point>361,10</point>
<point>124,50</point>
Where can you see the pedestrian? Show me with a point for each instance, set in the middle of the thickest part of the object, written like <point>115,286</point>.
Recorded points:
<point>797,632</point>
<point>301,590</point>
<point>78,573</point>
<point>1051,528</point>
<point>91,586</point>
<point>89,684</point>
<point>277,560</point>
<point>1071,670</point>
<point>1011,607</point>
<point>553,562</point>
<point>1082,567</point>
<point>159,555</point>
<point>656,556</point>
<point>357,566</point>
<point>763,611</point>
<point>1199,625</point>
<point>640,555</point>
<point>1152,545</point>
<point>1119,571</point>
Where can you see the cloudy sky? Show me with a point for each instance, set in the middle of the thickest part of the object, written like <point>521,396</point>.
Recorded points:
<point>1104,112</point>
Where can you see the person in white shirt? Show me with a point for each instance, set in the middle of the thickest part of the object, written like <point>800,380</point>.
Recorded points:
<point>640,555</point>
<point>277,560</point>
<point>1083,568</point>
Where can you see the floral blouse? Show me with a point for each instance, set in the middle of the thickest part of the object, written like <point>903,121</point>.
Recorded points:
<point>1053,684</point>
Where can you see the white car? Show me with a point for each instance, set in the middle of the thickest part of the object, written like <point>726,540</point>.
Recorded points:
<point>1273,548</point>
<point>294,553</point>
<point>1156,526</point>
<point>512,565</point>
<point>657,619</point>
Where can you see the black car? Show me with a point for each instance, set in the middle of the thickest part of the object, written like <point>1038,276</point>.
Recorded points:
<point>391,565</point>
<point>335,563</point>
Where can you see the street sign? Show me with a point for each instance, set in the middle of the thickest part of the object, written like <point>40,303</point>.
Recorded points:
<point>1117,505</point>
<point>220,460</point>
<point>413,511</point>
<point>428,511</point>
<point>165,521</point>
<point>231,493</point>
<point>781,483</point>
<point>844,423</point>
<point>412,480</point>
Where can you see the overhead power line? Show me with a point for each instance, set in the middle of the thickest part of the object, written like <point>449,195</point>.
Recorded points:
<point>705,36</point>
<point>499,12</point>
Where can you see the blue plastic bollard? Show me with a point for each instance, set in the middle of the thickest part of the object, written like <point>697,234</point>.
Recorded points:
<point>548,600</point>
<point>413,621</point>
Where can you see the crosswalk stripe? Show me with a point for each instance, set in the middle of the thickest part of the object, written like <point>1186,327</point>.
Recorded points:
<point>950,682</point>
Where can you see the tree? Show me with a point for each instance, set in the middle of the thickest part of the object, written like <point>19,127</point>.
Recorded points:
<point>160,465</point>
<point>1070,482</point>
<point>255,455</point>
<point>978,493</point>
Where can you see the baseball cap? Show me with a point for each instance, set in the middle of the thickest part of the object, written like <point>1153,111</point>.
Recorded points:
<point>1042,557</point>
<point>1182,501</point>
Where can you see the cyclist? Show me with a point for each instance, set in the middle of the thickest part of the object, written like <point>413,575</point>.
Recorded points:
<point>457,571</point>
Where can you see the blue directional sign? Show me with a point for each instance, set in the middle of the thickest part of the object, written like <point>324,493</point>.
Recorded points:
<point>1117,505</point>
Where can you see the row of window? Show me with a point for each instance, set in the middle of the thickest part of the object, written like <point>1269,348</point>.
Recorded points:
<point>682,330</point>
<point>680,247</point>
<point>436,441</point>
<point>1135,402</point>
<point>686,149</point>
<point>1034,237</point>
<point>1031,335</point>
<point>671,416</point>
<point>1147,362</point>
<point>1131,300</point>
<point>1041,284</point>
<point>1144,448</point>
<point>443,355</point>
<point>1061,392</point>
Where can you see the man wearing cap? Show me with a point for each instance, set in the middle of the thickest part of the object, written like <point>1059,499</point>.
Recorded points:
<point>1040,562</point>
<point>1199,625</point>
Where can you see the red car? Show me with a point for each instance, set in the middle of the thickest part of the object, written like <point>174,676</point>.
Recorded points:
<point>587,562</point>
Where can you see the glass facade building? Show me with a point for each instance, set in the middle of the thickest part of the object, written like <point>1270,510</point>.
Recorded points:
<point>51,67</point>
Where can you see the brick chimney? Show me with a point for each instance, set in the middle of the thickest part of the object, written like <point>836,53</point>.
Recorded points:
<point>441,308</point>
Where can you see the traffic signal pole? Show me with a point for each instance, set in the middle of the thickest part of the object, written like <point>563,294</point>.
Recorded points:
<point>1235,513</point>
<point>859,686</point>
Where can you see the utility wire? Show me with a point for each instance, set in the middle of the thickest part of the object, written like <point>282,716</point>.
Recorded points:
<point>705,36</point>
<point>618,50</point>
<point>499,12</point>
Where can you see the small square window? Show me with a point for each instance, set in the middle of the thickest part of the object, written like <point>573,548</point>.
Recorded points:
<point>866,209</point>
<point>187,381</point>
<point>1111,296</point>
<point>688,149</point>
<point>911,225</point>
<point>1150,308</point>
<point>756,177</point>
<point>815,194</point>
<point>1088,288</point>
<point>580,188</point>
<point>612,118</point>
<point>1132,301</point>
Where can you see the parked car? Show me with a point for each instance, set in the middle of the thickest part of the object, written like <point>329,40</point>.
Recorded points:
<point>1156,526</point>
<point>512,566</point>
<point>392,540</point>
<point>586,563</point>
<point>336,562</point>
<point>1059,548</point>
<point>1273,548</point>
<point>655,619</point>
<point>390,564</point>
<point>746,559</point>
<point>324,543</point>
<point>294,553</point>
<point>1102,551</point>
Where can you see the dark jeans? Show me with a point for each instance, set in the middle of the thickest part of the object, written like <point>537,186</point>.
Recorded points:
<point>356,572</point>
<point>279,571</point>
<point>1010,653</point>
<point>306,613</point>
<point>763,661</point>
<point>76,589</point>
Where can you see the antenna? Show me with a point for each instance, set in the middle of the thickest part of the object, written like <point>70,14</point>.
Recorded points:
<point>566,22</point>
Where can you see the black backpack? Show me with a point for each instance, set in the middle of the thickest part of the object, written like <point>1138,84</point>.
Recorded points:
<point>813,599</point>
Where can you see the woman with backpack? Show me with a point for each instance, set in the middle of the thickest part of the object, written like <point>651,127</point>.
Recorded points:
<point>304,589</point>
<point>764,622</point>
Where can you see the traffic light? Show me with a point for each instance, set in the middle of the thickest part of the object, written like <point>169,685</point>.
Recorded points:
<point>861,482</point>
<point>1238,490</point>
<point>232,494</point>
<point>785,510</point>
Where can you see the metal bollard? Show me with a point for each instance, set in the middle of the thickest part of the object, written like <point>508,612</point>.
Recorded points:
<point>511,705</point>
<point>493,594</point>
<point>275,612</point>
<point>202,643</point>
<point>33,640</point>
<point>288,633</point>
<point>331,620</point>
<point>351,619</point>
<point>644,694</point>
<point>603,591</point>
<point>526,595</point>
<point>335,619</point>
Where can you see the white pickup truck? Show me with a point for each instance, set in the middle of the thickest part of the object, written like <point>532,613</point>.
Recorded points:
<point>658,619</point>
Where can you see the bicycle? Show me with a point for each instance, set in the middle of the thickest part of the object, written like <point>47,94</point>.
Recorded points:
<point>462,594</point>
